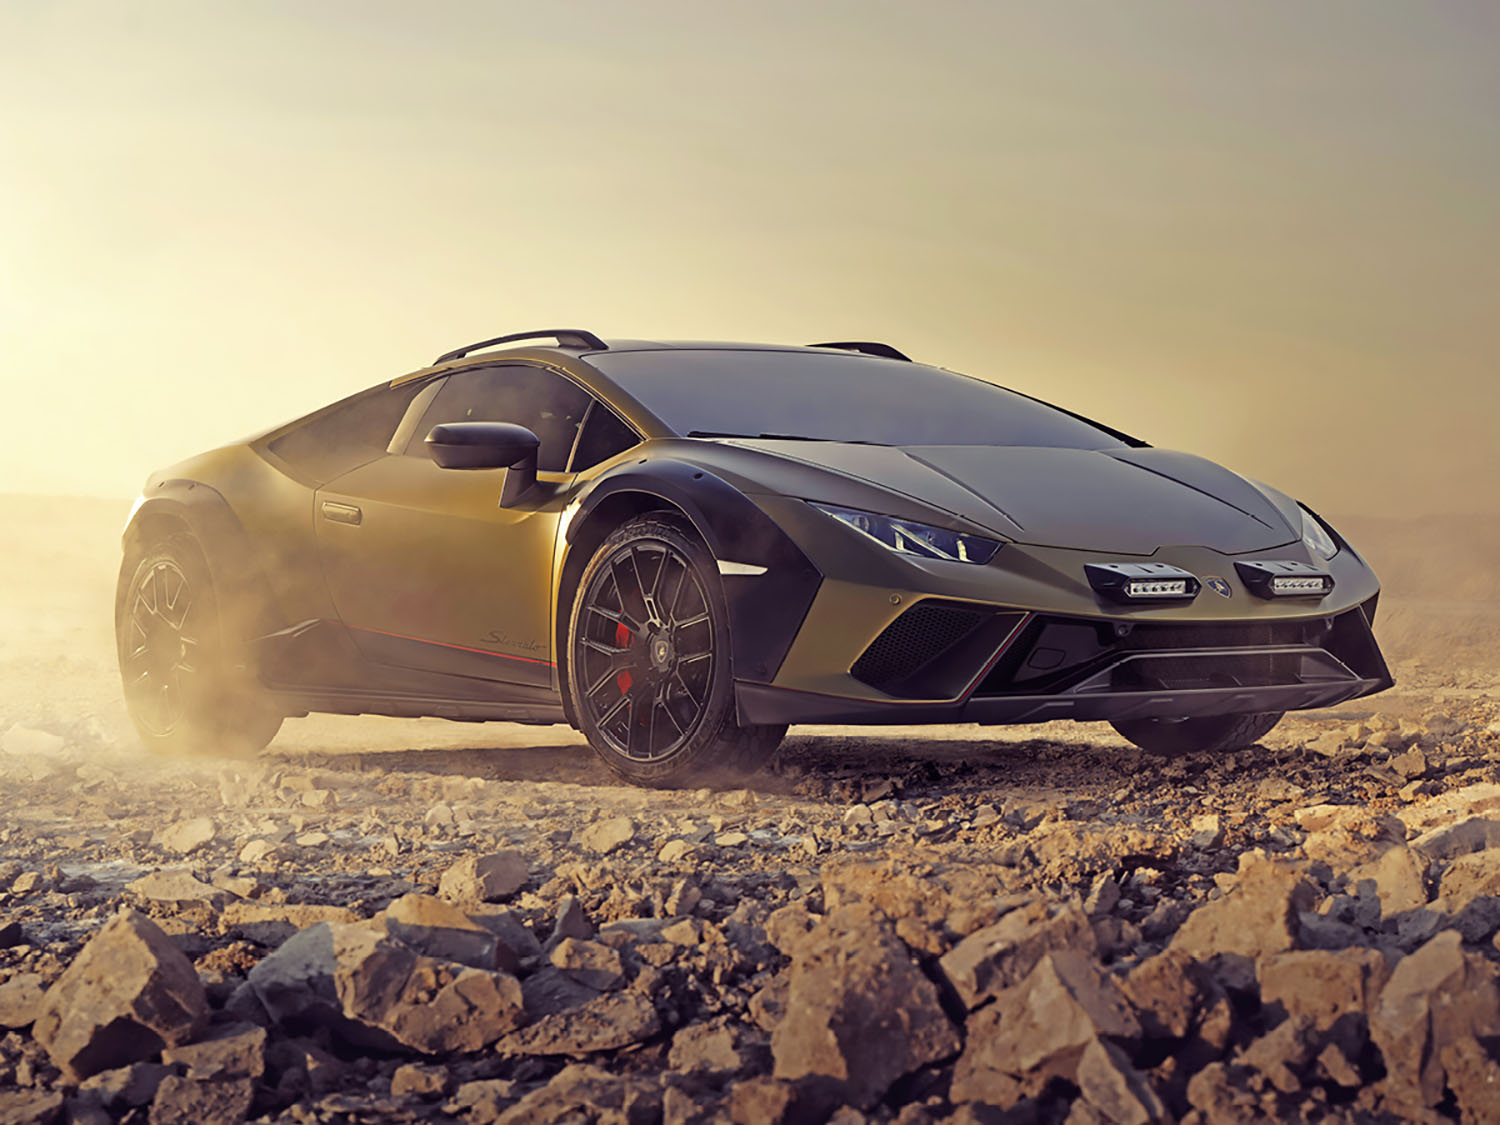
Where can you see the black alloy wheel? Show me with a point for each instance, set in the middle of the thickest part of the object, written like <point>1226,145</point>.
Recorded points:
<point>184,691</point>
<point>649,661</point>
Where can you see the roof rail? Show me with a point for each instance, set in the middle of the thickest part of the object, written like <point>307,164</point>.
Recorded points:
<point>565,337</point>
<point>867,347</point>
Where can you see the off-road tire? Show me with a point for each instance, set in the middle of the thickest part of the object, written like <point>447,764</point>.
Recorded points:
<point>1167,738</point>
<point>185,692</point>
<point>635,663</point>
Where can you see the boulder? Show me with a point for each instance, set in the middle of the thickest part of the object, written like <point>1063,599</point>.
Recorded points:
<point>21,1000</point>
<point>190,1101</point>
<point>1436,998</point>
<point>376,992</point>
<point>436,928</point>
<point>1397,878</point>
<point>996,957</point>
<point>1039,1029</point>
<point>124,1087</point>
<point>1323,987</point>
<point>859,1012</point>
<point>1257,917</point>
<point>604,1023</point>
<point>11,934</point>
<point>1114,1087</point>
<point>187,835</point>
<point>127,994</point>
<point>1169,993</point>
<point>236,1050</point>
<point>177,886</point>
<point>587,1093</point>
<point>590,963</point>
<point>485,878</point>
<point>1449,841</point>
<point>30,1107</point>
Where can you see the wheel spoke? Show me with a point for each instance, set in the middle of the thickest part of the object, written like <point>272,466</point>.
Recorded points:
<point>614,652</point>
<point>687,691</point>
<point>604,719</point>
<point>697,619</point>
<point>694,659</point>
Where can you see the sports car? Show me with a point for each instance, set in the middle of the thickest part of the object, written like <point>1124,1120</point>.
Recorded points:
<point>681,548</point>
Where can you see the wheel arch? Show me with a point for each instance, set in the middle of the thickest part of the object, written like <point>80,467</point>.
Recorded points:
<point>765,610</point>
<point>188,507</point>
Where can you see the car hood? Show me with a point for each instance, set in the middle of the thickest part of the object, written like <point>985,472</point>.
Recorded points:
<point>1129,501</point>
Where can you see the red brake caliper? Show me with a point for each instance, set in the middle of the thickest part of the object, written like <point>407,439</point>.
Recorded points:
<point>623,637</point>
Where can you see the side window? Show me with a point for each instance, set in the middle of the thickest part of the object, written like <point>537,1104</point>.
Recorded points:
<point>345,435</point>
<point>603,436</point>
<point>545,403</point>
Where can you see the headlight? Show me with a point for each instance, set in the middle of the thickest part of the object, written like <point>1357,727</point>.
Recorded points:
<point>918,539</point>
<point>1316,536</point>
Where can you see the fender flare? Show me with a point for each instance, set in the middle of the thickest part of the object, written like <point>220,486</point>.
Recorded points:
<point>241,592</point>
<point>765,610</point>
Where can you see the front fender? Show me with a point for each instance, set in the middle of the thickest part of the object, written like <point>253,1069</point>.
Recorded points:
<point>765,610</point>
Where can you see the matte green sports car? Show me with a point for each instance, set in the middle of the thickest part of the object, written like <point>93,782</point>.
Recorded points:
<point>680,548</point>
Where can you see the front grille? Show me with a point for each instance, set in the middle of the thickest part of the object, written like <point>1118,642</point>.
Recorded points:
<point>1237,635</point>
<point>915,639</point>
<point>1182,673</point>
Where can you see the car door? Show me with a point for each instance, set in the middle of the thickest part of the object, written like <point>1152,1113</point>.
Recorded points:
<point>424,566</point>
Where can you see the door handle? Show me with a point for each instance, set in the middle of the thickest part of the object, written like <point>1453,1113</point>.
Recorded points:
<point>342,513</point>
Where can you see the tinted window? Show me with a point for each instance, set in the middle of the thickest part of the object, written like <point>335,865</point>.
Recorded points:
<point>838,398</point>
<point>546,404</point>
<point>603,436</point>
<point>345,435</point>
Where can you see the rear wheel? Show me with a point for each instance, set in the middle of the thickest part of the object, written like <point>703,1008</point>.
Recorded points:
<point>1170,738</point>
<point>182,687</point>
<point>649,668</point>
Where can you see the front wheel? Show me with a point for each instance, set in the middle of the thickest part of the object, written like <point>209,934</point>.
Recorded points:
<point>1171,738</point>
<point>649,668</point>
<point>182,689</point>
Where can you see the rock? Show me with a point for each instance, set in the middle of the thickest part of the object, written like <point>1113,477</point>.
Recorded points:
<point>1470,894</point>
<point>482,1101</point>
<point>273,924</point>
<point>11,934</point>
<point>486,878</point>
<point>1452,806</point>
<point>30,1107</point>
<point>376,992</point>
<point>605,836</point>
<point>234,1050</point>
<point>859,1011</point>
<point>1449,841</point>
<point>1103,897</point>
<point>1435,998</point>
<point>128,993</point>
<point>1282,1054</point>
<point>770,1101</point>
<point>175,885</point>
<point>571,922</point>
<point>590,963</point>
<point>1038,1029</point>
<point>1169,992</point>
<point>1207,832</point>
<point>730,839</point>
<point>188,1101</point>
<point>260,851</point>
<point>1324,987</point>
<point>999,956</point>
<point>674,850</point>
<point>1257,917</point>
<point>604,1023</point>
<point>21,1000</point>
<point>1397,879</point>
<point>1410,765</point>
<point>584,1093</point>
<point>708,1047</point>
<point>1115,1088</point>
<point>858,816</point>
<point>186,835</point>
<point>436,928</point>
<point>417,1081</point>
<point>124,1087</point>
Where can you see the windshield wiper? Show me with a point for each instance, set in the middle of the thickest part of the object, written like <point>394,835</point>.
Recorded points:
<point>780,437</point>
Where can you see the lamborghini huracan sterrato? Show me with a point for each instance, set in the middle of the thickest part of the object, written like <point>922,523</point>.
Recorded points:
<point>680,548</point>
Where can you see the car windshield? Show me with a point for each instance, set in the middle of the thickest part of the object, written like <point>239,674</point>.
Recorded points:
<point>837,397</point>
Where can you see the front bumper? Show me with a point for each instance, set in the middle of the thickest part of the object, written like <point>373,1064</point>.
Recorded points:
<point>1025,638</point>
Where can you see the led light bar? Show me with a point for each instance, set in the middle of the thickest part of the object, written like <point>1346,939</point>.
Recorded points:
<point>1284,578</point>
<point>1156,588</point>
<point>1141,582</point>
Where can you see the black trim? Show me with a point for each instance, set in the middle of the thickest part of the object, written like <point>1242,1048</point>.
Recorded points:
<point>566,338</point>
<point>762,703</point>
<point>867,347</point>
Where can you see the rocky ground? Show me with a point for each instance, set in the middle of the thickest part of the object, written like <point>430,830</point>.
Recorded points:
<point>423,922</point>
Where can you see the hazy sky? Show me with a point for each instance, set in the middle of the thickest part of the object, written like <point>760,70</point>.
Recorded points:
<point>1264,232</point>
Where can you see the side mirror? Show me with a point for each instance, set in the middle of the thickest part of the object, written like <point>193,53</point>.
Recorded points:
<point>488,445</point>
